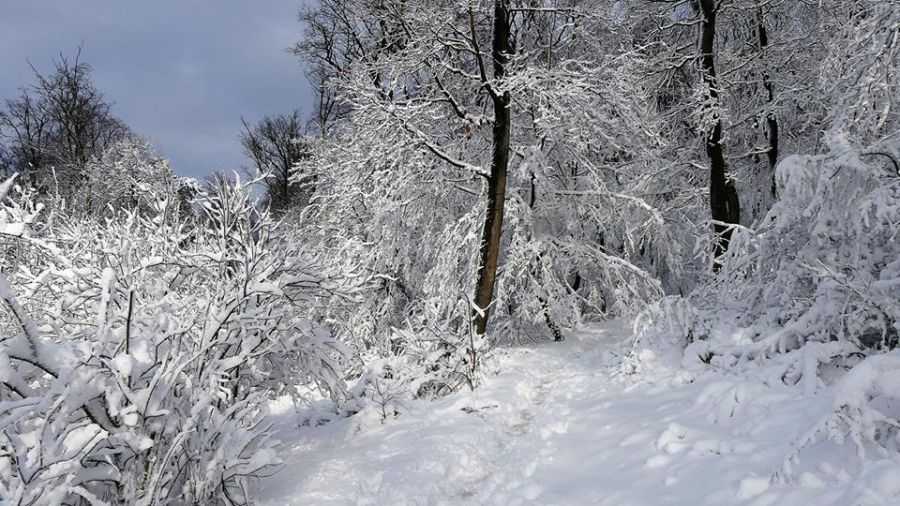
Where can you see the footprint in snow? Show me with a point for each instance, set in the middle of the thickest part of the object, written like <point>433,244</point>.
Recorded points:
<point>672,440</point>
<point>657,461</point>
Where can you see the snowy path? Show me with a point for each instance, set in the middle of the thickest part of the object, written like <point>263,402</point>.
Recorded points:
<point>556,427</point>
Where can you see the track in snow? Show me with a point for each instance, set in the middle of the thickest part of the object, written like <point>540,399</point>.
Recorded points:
<point>557,427</point>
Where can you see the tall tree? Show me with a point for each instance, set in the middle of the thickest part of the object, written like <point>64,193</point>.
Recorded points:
<point>771,117</point>
<point>275,145</point>
<point>723,197</point>
<point>501,49</point>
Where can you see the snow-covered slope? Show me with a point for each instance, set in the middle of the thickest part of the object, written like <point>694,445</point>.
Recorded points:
<point>561,425</point>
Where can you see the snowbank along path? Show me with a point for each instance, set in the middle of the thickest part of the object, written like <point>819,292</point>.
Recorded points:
<point>561,425</point>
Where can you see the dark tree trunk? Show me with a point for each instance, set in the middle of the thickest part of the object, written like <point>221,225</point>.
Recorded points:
<point>771,119</point>
<point>723,198</point>
<point>493,223</point>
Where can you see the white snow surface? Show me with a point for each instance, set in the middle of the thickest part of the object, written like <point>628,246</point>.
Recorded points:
<point>561,425</point>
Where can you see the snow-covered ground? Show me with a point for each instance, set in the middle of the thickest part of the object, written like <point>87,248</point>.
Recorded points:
<point>561,425</point>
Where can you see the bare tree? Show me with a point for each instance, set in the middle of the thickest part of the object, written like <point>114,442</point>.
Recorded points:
<point>335,36</point>
<point>6,162</point>
<point>25,129</point>
<point>59,124</point>
<point>275,145</point>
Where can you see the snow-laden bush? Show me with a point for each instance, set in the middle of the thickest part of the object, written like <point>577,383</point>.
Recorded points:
<point>437,357</point>
<point>138,352</point>
<point>130,175</point>
<point>810,298</point>
<point>824,265</point>
<point>425,356</point>
<point>427,363</point>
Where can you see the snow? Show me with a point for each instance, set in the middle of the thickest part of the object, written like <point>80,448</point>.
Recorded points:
<point>560,424</point>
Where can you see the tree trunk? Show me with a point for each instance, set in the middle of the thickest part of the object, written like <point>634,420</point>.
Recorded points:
<point>723,198</point>
<point>771,119</point>
<point>493,223</point>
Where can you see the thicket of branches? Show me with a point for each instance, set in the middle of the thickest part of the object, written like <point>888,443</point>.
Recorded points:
<point>140,350</point>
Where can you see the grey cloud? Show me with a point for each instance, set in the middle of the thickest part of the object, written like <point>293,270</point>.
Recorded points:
<point>181,72</point>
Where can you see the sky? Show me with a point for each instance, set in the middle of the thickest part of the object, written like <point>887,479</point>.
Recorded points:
<point>180,72</point>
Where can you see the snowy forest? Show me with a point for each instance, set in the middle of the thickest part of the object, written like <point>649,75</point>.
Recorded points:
<point>618,252</point>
